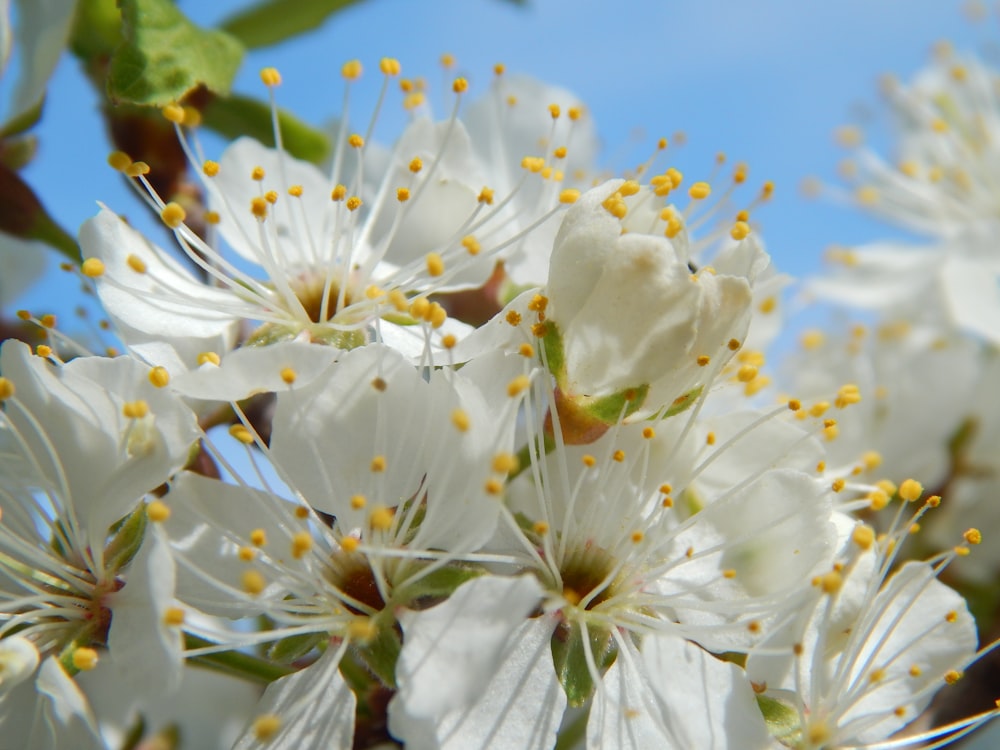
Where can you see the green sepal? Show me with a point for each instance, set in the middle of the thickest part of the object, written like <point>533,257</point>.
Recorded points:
<point>126,540</point>
<point>275,21</point>
<point>97,29</point>
<point>435,586</point>
<point>381,653</point>
<point>23,121</point>
<point>609,409</point>
<point>17,153</point>
<point>293,647</point>
<point>570,659</point>
<point>554,352</point>
<point>782,719</point>
<point>273,333</point>
<point>134,734</point>
<point>165,56</point>
<point>234,116</point>
<point>683,403</point>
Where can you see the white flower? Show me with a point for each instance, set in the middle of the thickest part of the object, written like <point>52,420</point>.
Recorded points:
<point>346,259</point>
<point>82,444</point>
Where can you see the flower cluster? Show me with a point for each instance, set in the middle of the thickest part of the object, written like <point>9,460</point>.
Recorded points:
<point>462,443</point>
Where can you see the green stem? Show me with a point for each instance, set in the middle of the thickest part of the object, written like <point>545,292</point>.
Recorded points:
<point>573,733</point>
<point>236,663</point>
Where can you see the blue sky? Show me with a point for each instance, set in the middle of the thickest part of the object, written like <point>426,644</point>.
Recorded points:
<point>765,81</point>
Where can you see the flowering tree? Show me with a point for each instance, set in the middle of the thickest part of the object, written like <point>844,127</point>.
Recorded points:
<point>462,441</point>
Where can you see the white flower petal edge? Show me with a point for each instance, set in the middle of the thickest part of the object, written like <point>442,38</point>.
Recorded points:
<point>475,672</point>
<point>671,694</point>
<point>312,709</point>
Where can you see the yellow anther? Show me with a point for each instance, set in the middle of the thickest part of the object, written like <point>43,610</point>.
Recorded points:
<point>414,100</point>
<point>42,350</point>
<point>381,518</point>
<point>351,70</point>
<point>505,463</point>
<point>192,117</point>
<point>460,86</point>
<point>629,187</point>
<point>618,456</point>
<point>157,511</point>
<point>350,544</point>
<point>831,582</point>
<point>355,141</point>
<point>212,217</point>
<point>173,617</point>
<point>539,330</point>
<point>518,385</point>
<point>538,303</point>
<point>649,433</point>
<point>241,433</point>
<point>374,292</point>
<point>362,629</point>
<point>555,111</point>
<point>767,190</point>
<point>589,461</point>
<point>915,671</point>
<point>867,195</point>
<point>541,528</point>
<point>615,206</point>
<point>210,168</point>
<point>92,268</point>
<point>831,430</point>
<point>295,191</point>
<point>389,66</point>
<point>863,536</point>
<point>952,676</point>
<point>910,490</point>
<point>838,485</point>
<point>703,360</point>
<point>420,307</point>
<point>471,245</point>
<point>119,160</point>
<point>499,69</point>
<point>819,408</point>
<point>533,163</point>
<point>733,344</point>
<point>378,464</point>
<point>939,126</point>
<point>209,358</point>
<point>560,153</point>
<point>710,438</point>
<point>877,499</point>
<point>569,195</point>
<point>258,537</point>
<point>493,487</point>
<point>353,203</point>
<point>135,409</point>
<point>575,113</point>
<point>513,317</point>
<point>398,300</point>
<point>253,582</point>
<point>402,194</point>
<point>740,231</point>
<point>729,573</point>
<point>768,305</point>
<point>794,404</point>
<point>84,659</point>
<point>435,264</point>
<point>266,726</point>
<point>460,419</point>
<point>174,113</point>
<point>173,215</point>
<point>448,341</point>
<point>270,77</point>
<point>271,196</point>
<point>302,542</point>
<point>637,537</point>
<point>699,191</point>
<point>137,169</point>
<point>847,395</point>
<point>48,321</point>
<point>486,196</point>
<point>416,165</point>
<point>338,193</point>
<point>288,375</point>
<point>972,536</point>
<point>746,373</point>
<point>258,207</point>
<point>876,675</point>
<point>447,60</point>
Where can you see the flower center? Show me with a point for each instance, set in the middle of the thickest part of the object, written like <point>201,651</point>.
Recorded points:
<point>585,573</point>
<point>312,289</point>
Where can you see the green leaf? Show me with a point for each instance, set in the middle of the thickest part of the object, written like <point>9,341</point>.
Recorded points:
<point>233,116</point>
<point>570,660</point>
<point>782,720</point>
<point>554,354</point>
<point>165,56</point>
<point>274,21</point>
<point>22,215</point>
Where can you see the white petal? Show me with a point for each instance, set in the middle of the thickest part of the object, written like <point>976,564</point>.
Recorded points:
<point>677,696</point>
<point>315,708</point>
<point>43,28</point>
<point>474,672</point>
